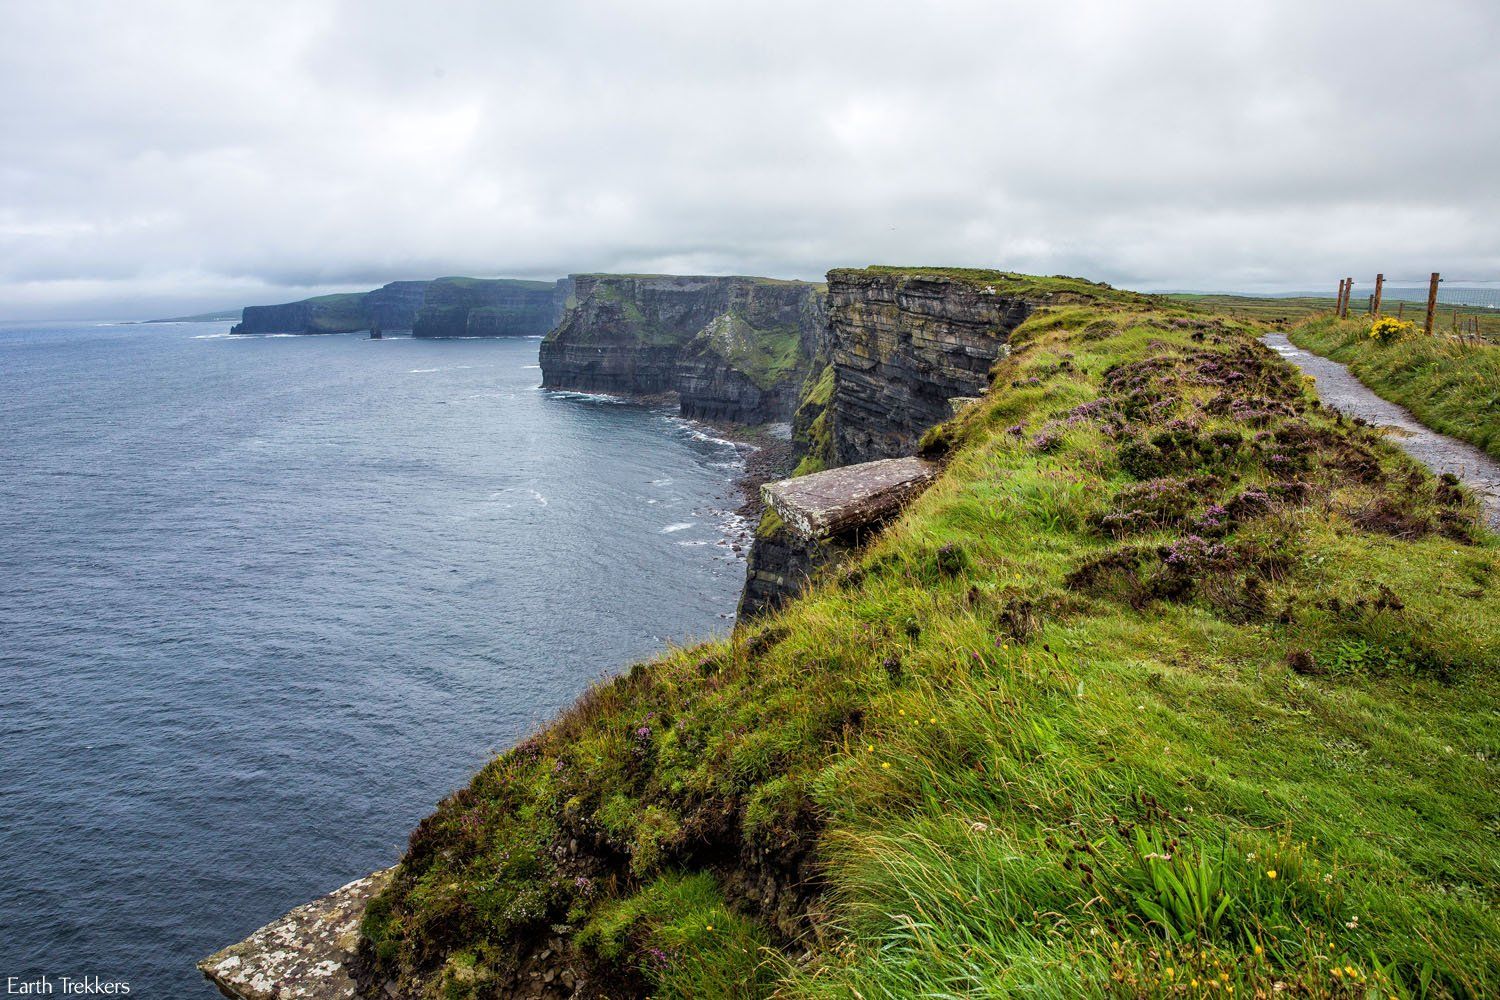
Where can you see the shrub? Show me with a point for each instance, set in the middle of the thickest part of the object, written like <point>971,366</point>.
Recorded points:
<point>1388,330</point>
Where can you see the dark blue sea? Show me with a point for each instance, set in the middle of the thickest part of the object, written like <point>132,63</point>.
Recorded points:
<point>265,600</point>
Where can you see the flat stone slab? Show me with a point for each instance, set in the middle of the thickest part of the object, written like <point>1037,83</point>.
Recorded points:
<point>830,503</point>
<point>303,955</point>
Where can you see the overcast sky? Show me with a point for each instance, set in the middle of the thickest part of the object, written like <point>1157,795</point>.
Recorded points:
<point>161,156</point>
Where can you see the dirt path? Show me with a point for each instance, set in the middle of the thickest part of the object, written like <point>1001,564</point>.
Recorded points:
<point>1440,453</point>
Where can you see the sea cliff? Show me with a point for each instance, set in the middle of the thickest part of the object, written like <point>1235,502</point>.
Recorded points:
<point>391,307</point>
<point>490,307</point>
<point>905,347</point>
<point>442,307</point>
<point>732,348</point>
<point>1162,619</point>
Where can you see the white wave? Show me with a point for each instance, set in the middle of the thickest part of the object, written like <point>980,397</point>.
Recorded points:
<point>591,397</point>
<point>692,544</point>
<point>531,366</point>
<point>215,336</point>
<point>541,500</point>
<point>422,371</point>
<point>679,526</point>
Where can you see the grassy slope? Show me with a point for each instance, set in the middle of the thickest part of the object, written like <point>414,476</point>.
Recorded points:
<point>1064,730</point>
<point>1450,386</point>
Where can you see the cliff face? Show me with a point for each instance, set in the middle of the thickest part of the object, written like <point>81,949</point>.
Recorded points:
<point>901,348</point>
<point>733,348</point>
<point>902,345</point>
<point>499,307</point>
<point>393,307</point>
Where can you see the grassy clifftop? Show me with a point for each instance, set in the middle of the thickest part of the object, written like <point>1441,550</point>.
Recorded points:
<point>1173,685</point>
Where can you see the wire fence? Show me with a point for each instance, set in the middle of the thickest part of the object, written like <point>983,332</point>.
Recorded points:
<point>1437,304</point>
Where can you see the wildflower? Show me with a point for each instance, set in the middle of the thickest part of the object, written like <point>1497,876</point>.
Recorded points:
<point>1169,972</point>
<point>708,927</point>
<point>1271,874</point>
<point>1194,984</point>
<point>885,764</point>
<point>870,748</point>
<point>1352,923</point>
<point>1350,971</point>
<point>1259,950</point>
<point>933,720</point>
<point>901,711</point>
<point>1339,973</point>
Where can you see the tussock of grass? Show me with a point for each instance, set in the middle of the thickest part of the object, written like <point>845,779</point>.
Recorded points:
<point>1172,678</point>
<point>1450,385</point>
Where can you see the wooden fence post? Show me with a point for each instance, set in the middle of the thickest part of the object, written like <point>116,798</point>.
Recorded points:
<point>1379,288</point>
<point>1348,297</point>
<point>1400,308</point>
<point>1431,302</point>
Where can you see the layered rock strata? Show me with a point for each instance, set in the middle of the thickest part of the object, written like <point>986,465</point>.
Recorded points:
<point>490,307</point>
<point>733,348</point>
<point>902,345</point>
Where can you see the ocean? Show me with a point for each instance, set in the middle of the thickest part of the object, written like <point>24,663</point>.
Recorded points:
<point>265,600</point>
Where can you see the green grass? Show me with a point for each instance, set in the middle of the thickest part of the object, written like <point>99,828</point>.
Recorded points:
<point>1271,309</point>
<point>1451,386</point>
<point>1006,282</point>
<point>765,356</point>
<point>1173,677</point>
<point>812,423</point>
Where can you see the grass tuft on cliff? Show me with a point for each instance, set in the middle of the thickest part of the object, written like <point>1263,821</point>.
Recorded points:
<point>1450,385</point>
<point>1173,679</point>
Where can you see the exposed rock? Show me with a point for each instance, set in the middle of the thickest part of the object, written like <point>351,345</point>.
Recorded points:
<point>391,307</point>
<point>902,346</point>
<point>827,504</point>
<point>734,348</point>
<point>303,955</point>
<point>780,565</point>
<point>394,306</point>
<point>490,307</point>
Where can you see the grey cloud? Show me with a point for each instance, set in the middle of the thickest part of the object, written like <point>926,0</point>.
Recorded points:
<point>159,155</point>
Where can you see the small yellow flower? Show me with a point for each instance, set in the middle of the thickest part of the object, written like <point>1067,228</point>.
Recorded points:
<point>886,764</point>
<point>901,712</point>
<point>1339,973</point>
<point>1194,984</point>
<point>1170,972</point>
<point>870,748</point>
<point>933,720</point>
<point>708,927</point>
<point>1350,970</point>
<point>1259,950</point>
<point>1271,874</point>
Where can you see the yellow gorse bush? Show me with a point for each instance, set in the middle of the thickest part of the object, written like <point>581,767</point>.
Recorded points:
<point>1388,330</point>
